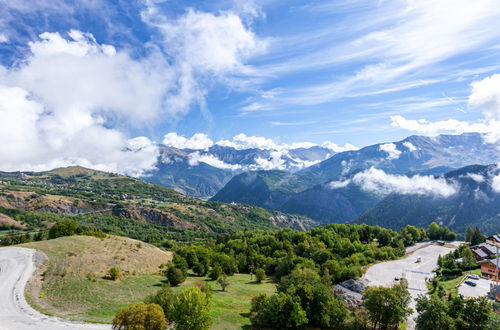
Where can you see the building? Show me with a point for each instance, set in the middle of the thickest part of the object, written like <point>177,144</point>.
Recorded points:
<point>493,239</point>
<point>489,269</point>
<point>484,251</point>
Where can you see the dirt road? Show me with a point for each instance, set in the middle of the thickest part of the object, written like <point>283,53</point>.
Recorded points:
<point>16,268</point>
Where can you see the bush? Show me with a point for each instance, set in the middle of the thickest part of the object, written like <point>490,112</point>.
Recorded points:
<point>140,316</point>
<point>175,276</point>
<point>64,228</point>
<point>215,273</point>
<point>260,275</point>
<point>164,298</point>
<point>223,282</point>
<point>114,274</point>
<point>191,310</point>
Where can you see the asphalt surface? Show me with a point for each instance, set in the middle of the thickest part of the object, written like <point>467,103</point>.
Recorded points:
<point>480,290</point>
<point>384,273</point>
<point>17,265</point>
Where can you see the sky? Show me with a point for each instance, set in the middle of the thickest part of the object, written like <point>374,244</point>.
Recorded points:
<point>99,83</point>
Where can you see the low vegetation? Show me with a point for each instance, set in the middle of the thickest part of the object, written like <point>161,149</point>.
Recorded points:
<point>77,271</point>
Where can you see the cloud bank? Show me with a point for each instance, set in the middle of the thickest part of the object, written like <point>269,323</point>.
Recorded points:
<point>378,182</point>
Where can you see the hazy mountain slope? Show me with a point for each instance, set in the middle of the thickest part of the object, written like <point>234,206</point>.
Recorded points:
<point>321,203</point>
<point>476,203</point>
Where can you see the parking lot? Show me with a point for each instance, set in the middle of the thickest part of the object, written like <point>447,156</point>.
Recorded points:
<point>482,288</point>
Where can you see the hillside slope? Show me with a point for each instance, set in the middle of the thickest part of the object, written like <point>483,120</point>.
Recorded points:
<point>126,206</point>
<point>73,275</point>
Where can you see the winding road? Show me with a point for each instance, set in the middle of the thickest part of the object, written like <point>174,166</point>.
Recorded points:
<point>17,265</point>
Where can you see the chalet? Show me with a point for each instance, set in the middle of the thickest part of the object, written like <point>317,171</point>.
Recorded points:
<point>489,269</point>
<point>493,239</point>
<point>484,251</point>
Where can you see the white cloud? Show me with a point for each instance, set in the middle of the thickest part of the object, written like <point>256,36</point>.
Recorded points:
<point>495,183</point>
<point>3,38</point>
<point>485,96</point>
<point>410,146</point>
<point>336,148</point>
<point>391,150</point>
<point>476,177</point>
<point>195,158</point>
<point>378,182</point>
<point>56,105</point>
<point>275,162</point>
<point>339,184</point>
<point>423,126</point>
<point>242,141</point>
<point>33,140</point>
<point>198,141</point>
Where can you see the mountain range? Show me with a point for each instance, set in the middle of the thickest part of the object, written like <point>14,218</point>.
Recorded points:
<point>202,173</point>
<point>349,184</point>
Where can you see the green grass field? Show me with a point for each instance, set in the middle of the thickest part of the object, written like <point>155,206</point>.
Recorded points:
<point>230,309</point>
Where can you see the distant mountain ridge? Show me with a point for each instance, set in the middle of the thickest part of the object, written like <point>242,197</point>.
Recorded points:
<point>309,191</point>
<point>202,173</point>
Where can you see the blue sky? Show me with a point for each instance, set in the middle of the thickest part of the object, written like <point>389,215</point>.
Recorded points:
<point>358,72</point>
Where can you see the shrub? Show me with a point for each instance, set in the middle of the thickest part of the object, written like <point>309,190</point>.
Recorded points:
<point>140,316</point>
<point>223,282</point>
<point>260,275</point>
<point>114,274</point>
<point>175,276</point>
<point>216,272</point>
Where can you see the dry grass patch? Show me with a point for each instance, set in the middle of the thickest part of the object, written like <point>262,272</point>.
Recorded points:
<point>72,284</point>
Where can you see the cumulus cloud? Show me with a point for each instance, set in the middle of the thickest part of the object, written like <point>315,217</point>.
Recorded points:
<point>198,141</point>
<point>378,182</point>
<point>391,150</point>
<point>275,162</point>
<point>54,106</point>
<point>195,158</point>
<point>410,146</point>
<point>71,100</point>
<point>336,148</point>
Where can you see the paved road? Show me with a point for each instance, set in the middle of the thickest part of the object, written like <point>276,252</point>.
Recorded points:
<point>16,268</point>
<point>384,273</point>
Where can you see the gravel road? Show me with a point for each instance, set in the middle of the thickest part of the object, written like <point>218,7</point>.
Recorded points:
<point>415,272</point>
<point>16,268</point>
